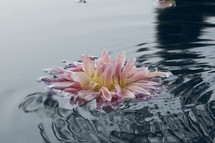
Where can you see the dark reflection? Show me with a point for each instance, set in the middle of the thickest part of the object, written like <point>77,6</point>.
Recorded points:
<point>180,27</point>
<point>184,51</point>
<point>184,48</point>
<point>144,122</point>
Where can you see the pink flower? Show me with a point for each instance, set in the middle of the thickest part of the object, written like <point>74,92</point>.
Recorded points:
<point>104,79</point>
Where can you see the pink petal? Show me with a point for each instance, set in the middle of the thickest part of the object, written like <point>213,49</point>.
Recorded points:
<point>83,79</point>
<point>76,69</point>
<point>72,90</point>
<point>120,58</point>
<point>129,65</point>
<point>133,71</point>
<point>137,89</point>
<point>156,74</point>
<point>145,86</point>
<point>62,85</point>
<point>48,80</point>
<point>106,94</point>
<point>88,94</point>
<point>108,75</point>
<point>117,88</point>
<point>137,76</point>
<point>126,94</point>
<point>68,77</point>
<point>105,57</point>
<point>88,65</point>
<point>147,82</point>
<point>117,72</point>
<point>58,71</point>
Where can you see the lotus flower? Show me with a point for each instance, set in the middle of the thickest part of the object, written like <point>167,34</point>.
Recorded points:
<point>104,79</point>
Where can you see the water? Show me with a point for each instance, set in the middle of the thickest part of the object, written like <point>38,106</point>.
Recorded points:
<point>39,34</point>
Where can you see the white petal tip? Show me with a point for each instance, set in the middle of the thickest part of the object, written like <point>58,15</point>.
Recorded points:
<point>47,70</point>
<point>168,74</point>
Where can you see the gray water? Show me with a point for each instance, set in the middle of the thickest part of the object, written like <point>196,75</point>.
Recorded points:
<point>35,35</point>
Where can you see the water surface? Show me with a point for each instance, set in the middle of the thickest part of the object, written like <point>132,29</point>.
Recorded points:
<point>39,34</point>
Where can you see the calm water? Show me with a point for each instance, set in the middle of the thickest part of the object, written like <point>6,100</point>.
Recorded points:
<point>39,34</point>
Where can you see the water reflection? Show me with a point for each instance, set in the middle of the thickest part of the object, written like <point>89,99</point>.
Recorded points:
<point>179,32</point>
<point>185,113</point>
<point>134,123</point>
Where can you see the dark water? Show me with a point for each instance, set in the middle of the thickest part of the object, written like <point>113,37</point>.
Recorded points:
<point>179,39</point>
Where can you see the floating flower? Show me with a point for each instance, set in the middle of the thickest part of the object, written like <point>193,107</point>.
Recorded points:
<point>104,79</point>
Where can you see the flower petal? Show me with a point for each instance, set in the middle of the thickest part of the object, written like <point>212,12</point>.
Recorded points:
<point>50,80</point>
<point>88,94</point>
<point>63,85</point>
<point>72,90</point>
<point>156,74</point>
<point>120,58</point>
<point>137,76</point>
<point>126,94</point>
<point>106,94</point>
<point>88,65</point>
<point>105,57</point>
<point>83,79</point>
<point>129,65</point>
<point>108,75</point>
<point>137,89</point>
<point>147,82</point>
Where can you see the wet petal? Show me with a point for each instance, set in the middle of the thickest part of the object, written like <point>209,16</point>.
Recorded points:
<point>126,94</point>
<point>117,88</point>
<point>137,89</point>
<point>137,76</point>
<point>156,74</point>
<point>145,86</point>
<point>83,79</point>
<point>71,90</point>
<point>57,71</point>
<point>63,85</point>
<point>49,80</point>
<point>88,94</point>
<point>106,94</point>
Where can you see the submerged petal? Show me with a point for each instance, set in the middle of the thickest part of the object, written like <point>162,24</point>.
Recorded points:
<point>62,85</point>
<point>50,80</point>
<point>72,90</point>
<point>88,94</point>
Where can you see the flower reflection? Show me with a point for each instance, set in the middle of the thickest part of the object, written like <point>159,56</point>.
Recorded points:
<point>81,1</point>
<point>166,3</point>
<point>106,80</point>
